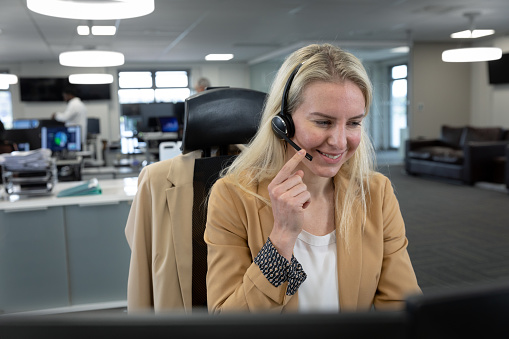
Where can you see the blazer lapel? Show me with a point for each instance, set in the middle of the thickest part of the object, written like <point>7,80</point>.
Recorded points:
<point>349,262</point>
<point>179,200</point>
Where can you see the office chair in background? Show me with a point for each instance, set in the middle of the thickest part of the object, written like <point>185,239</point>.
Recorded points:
<point>214,120</point>
<point>166,223</point>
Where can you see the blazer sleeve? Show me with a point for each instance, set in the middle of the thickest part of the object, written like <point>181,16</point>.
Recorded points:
<point>397,277</point>
<point>234,282</point>
<point>139,234</point>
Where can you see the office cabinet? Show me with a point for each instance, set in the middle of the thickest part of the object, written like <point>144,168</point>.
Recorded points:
<point>63,253</point>
<point>98,252</point>
<point>33,264</point>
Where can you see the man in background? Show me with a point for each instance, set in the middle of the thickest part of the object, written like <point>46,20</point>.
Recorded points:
<point>74,114</point>
<point>202,85</point>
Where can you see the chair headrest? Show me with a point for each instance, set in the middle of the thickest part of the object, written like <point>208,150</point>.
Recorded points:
<point>221,117</point>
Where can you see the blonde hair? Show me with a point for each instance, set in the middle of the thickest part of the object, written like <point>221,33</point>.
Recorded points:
<point>265,155</point>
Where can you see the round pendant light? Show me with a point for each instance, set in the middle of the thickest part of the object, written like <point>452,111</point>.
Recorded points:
<point>473,54</point>
<point>91,58</point>
<point>92,10</point>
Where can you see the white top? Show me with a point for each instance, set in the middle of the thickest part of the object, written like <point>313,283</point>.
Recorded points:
<point>75,114</point>
<point>317,255</point>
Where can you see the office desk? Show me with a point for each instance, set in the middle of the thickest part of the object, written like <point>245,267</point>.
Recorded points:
<point>65,252</point>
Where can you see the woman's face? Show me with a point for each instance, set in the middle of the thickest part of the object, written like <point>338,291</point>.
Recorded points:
<point>328,125</point>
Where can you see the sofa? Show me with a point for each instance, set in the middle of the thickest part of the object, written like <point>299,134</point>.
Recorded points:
<point>466,154</point>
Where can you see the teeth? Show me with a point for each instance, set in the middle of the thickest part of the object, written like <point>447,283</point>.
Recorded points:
<point>330,156</point>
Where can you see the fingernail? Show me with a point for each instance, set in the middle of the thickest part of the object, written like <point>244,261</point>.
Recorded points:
<point>302,152</point>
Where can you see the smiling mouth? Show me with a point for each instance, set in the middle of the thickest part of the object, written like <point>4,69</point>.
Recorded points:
<point>334,157</point>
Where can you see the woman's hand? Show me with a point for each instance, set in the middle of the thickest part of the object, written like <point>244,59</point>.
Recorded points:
<point>289,197</point>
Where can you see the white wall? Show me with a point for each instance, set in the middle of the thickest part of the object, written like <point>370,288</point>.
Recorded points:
<point>440,91</point>
<point>490,103</point>
<point>454,93</point>
<point>108,111</point>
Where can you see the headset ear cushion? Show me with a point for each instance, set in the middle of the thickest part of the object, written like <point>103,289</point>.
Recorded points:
<point>290,128</point>
<point>279,126</point>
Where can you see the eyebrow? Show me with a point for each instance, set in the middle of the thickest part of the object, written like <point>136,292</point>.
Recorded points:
<point>333,118</point>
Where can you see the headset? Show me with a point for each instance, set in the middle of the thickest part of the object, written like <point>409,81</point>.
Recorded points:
<point>282,123</point>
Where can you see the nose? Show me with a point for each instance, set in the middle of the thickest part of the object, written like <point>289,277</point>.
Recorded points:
<point>338,137</point>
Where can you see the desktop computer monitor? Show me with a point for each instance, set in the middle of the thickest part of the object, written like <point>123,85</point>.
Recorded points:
<point>61,139</point>
<point>168,124</point>
<point>25,123</point>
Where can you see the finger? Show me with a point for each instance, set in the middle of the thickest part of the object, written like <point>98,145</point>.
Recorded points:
<point>293,180</point>
<point>287,170</point>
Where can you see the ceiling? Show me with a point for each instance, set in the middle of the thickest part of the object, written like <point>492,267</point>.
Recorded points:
<point>254,31</point>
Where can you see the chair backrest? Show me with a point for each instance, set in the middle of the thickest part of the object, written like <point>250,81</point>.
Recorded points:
<point>221,117</point>
<point>214,118</point>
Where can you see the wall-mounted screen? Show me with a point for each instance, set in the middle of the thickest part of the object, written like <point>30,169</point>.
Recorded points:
<point>50,89</point>
<point>498,70</point>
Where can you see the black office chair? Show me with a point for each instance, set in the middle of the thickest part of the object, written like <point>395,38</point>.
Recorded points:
<point>214,120</point>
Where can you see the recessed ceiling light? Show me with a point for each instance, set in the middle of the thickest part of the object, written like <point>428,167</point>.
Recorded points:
<point>83,30</point>
<point>91,59</point>
<point>104,30</point>
<point>91,78</point>
<point>219,57</point>
<point>92,10</point>
<point>402,49</point>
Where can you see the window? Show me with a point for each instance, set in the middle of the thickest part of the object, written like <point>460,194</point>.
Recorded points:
<point>148,87</point>
<point>6,108</point>
<point>398,103</point>
<point>152,87</point>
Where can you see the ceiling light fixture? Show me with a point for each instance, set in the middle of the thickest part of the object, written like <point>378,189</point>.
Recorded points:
<point>104,30</point>
<point>472,33</point>
<point>7,79</point>
<point>472,54</point>
<point>91,59</point>
<point>92,10</point>
<point>400,50</point>
<point>91,78</point>
<point>218,57</point>
<point>83,30</point>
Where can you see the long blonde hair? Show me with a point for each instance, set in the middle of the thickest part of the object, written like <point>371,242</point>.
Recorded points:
<point>265,155</point>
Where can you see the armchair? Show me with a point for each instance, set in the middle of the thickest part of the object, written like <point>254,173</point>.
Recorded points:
<point>463,154</point>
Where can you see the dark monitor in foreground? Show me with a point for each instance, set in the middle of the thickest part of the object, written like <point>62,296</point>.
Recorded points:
<point>61,139</point>
<point>367,325</point>
<point>478,311</point>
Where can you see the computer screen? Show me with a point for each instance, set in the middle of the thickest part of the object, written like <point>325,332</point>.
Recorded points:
<point>60,139</point>
<point>25,123</point>
<point>168,124</point>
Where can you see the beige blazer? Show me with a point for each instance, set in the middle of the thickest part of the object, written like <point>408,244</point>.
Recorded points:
<point>159,234</point>
<point>376,271</point>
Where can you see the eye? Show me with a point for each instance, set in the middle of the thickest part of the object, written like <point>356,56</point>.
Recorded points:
<point>356,123</point>
<point>323,122</point>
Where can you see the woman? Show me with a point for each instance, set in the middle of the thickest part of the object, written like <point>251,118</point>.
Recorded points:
<point>285,233</point>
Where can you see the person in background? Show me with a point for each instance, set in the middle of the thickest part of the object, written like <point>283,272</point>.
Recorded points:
<point>287,234</point>
<point>74,114</point>
<point>6,146</point>
<point>202,85</point>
